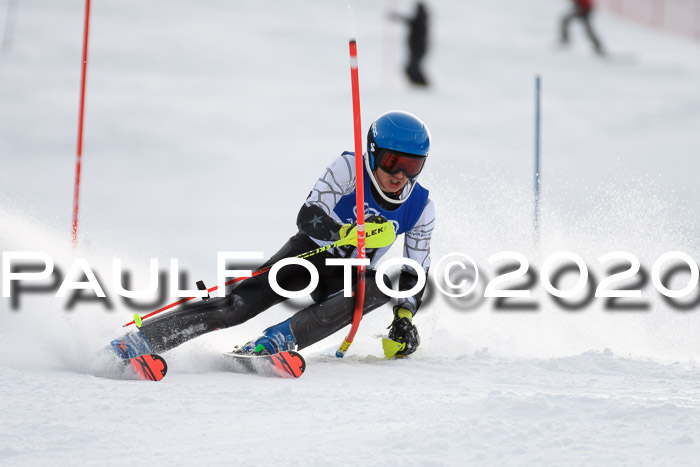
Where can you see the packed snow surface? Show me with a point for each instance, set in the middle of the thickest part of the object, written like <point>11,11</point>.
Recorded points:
<point>207,124</point>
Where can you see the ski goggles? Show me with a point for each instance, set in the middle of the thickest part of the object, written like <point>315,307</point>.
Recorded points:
<point>394,162</point>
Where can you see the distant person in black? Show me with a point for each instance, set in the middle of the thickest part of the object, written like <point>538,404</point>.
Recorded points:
<point>582,10</point>
<point>417,42</point>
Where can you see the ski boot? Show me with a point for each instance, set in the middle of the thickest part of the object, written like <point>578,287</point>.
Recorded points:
<point>274,339</point>
<point>131,345</point>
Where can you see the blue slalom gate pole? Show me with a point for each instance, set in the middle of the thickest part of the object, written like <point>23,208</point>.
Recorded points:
<point>10,20</point>
<point>537,178</point>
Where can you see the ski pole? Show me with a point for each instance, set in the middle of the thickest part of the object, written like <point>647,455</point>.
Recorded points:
<point>380,235</point>
<point>360,200</point>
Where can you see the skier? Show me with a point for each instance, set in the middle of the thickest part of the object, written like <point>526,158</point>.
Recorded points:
<point>417,42</point>
<point>397,148</point>
<point>582,10</point>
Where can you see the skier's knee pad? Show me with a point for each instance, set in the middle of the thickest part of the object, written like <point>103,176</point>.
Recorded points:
<point>246,301</point>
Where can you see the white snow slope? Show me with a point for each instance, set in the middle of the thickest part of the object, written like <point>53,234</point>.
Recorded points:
<point>206,125</point>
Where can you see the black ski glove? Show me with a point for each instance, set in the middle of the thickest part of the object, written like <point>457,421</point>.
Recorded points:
<point>376,219</point>
<point>403,331</point>
<point>347,228</point>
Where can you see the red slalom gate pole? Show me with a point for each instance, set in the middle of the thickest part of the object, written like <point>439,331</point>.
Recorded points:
<point>76,192</point>
<point>360,200</point>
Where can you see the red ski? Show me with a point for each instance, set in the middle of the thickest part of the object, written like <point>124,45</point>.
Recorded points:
<point>288,364</point>
<point>149,367</point>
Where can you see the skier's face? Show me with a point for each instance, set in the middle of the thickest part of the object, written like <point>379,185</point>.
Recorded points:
<point>390,183</point>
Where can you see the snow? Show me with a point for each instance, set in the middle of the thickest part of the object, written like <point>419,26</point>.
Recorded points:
<point>206,126</point>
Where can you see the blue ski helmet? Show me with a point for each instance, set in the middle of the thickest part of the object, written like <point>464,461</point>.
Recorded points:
<point>398,131</point>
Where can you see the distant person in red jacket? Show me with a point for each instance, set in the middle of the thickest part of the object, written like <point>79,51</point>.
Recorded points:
<point>582,10</point>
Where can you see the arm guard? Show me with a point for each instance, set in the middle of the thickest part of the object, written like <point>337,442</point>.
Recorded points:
<point>314,222</point>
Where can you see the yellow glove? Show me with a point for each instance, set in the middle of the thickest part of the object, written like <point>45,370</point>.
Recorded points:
<point>403,335</point>
<point>347,229</point>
